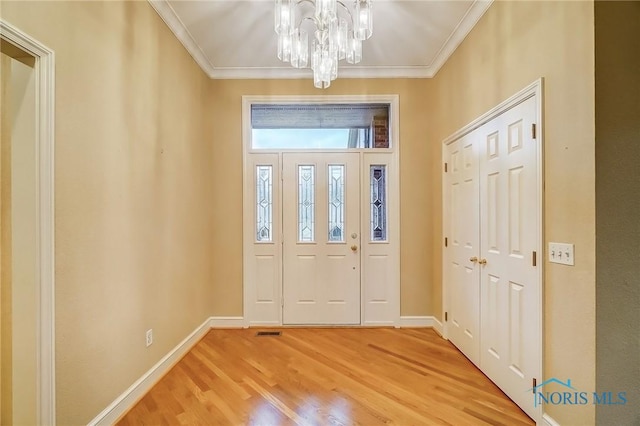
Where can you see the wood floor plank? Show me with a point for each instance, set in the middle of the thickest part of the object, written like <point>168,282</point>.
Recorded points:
<point>325,376</point>
<point>364,382</point>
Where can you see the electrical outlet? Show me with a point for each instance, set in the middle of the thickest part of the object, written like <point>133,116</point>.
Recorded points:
<point>561,253</point>
<point>149,337</point>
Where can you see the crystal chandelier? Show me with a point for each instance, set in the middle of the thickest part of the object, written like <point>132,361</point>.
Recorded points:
<point>339,33</point>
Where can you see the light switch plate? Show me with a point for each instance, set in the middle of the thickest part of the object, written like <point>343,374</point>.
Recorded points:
<point>561,253</point>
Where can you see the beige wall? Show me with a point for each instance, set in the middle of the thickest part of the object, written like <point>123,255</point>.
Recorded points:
<point>514,44</point>
<point>133,206</point>
<point>416,202</point>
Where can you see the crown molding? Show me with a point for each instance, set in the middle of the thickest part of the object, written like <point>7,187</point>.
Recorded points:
<point>466,24</point>
<point>175,24</point>
<point>287,73</point>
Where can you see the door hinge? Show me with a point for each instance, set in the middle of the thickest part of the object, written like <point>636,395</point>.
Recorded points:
<point>533,388</point>
<point>446,316</point>
<point>445,167</point>
<point>533,131</point>
<point>282,302</point>
<point>446,242</point>
<point>534,259</point>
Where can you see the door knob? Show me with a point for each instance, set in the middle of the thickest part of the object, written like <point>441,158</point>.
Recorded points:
<point>482,261</point>
<point>354,248</point>
<point>473,259</point>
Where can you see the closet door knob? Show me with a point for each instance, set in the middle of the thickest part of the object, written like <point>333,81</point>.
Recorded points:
<point>473,259</point>
<point>482,261</point>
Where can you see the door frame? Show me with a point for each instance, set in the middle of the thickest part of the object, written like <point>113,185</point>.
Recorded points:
<point>45,283</point>
<point>535,89</point>
<point>393,203</point>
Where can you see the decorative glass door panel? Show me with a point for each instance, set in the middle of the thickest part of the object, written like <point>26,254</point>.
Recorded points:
<point>306,203</point>
<point>336,203</point>
<point>378,220</point>
<point>321,227</point>
<point>264,203</point>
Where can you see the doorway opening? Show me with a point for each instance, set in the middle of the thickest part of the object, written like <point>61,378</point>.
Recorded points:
<point>26,229</point>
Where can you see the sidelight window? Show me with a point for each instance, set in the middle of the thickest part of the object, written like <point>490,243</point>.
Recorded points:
<point>264,203</point>
<point>378,177</point>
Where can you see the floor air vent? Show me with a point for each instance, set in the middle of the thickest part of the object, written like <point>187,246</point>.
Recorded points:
<point>268,333</point>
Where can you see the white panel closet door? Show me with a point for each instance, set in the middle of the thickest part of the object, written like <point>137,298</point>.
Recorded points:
<point>321,213</point>
<point>461,269</point>
<point>510,305</point>
<point>491,218</point>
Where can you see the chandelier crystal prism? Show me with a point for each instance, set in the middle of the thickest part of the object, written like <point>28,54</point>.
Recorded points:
<point>338,33</point>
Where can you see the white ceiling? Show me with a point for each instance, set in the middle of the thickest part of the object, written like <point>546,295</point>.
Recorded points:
<point>235,38</point>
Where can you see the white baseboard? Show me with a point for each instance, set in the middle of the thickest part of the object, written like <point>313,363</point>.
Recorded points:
<point>227,322</point>
<point>415,321</point>
<point>128,398</point>
<point>437,326</point>
<point>420,321</point>
<point>547,420</point>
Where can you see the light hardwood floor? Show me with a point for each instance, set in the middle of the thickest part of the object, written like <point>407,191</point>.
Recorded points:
<point>335,376</point>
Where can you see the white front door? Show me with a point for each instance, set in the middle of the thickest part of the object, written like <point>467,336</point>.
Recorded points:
<point>321,236</point>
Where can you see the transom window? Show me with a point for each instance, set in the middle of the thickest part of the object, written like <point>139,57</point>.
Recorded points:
<point>319,126</point>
